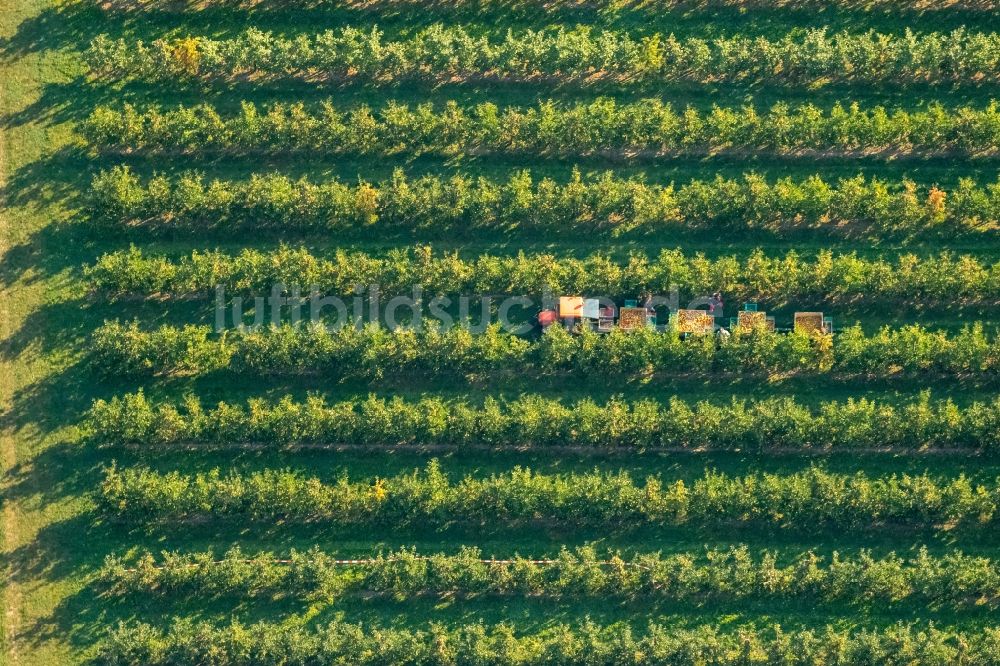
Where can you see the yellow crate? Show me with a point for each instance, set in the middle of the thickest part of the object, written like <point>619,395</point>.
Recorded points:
<point>695,321</point>
<point>807,322</point>
<point>751,320</point>
<point>632,318</point>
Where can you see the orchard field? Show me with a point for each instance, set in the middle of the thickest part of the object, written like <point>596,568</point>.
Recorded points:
<point>173,495</point>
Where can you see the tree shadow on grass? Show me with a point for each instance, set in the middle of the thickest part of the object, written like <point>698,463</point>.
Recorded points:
<point>60,177</point>
<point>51,188</point>
<point>68,25</point>
<point>70,552</point>
<point>546,538</point>
<point>62,396</point>
<point>532,614</point>
<point>74,100</point>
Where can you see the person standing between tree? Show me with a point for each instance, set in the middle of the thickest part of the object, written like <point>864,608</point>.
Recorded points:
<point>715,302</point>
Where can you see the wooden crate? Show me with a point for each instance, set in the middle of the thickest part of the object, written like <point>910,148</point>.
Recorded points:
<point>695,321</point>
<point>807,322</point>
<point>632,318</point>
<point>749,320</point>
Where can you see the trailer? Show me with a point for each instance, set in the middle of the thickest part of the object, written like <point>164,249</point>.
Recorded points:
<point>576,311</point>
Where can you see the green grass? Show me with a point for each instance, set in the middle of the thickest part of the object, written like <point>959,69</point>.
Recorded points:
<point>53,539</point>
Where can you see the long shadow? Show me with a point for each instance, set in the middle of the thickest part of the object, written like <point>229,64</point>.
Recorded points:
<point>215,389</point>
<point>56,182</point>
<point>59,477</point>
<point>665,383</point>
<point>178,238</point>
<point>70,552</point>
<point>30,262</point>
<point>534,539</point>
<point>763,93</point>
<point>62,102</point>
<point>537,614</point>
<point>60,326</point>
<point>363,465</point>
<point>937,168</point>
<point>56,401</point>
<point>60,177</point>
<point>70,24</point>
<point>944,173</point>
<point>528,538</point>
<point>684,17</point>
<point>62,329</point>
<point>177,235</point>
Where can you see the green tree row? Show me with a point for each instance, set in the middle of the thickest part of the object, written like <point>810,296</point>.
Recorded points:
<point>444,52</point>
<point>373,352</point>
<point>828,277</point>
<point>522,204</point>
<point>534,6</point>
<point>429,498</point>
<point>640,129</point>
<point>715,574</point>
<point>188,642</point>
<point>536,421</point>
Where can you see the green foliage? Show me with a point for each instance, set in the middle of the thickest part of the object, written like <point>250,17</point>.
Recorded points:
<point>444,52</point>
<point>372,351</point>
<point>182,350</point>
<point>754,277</point>
<point>189,642</point>
<point>428,498</point>
<point>55,536</point>
<point>955,579</point>
<point>610,205</point>
<point>648,127</point>
<point>501,7</point>
<point>532,420</point>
